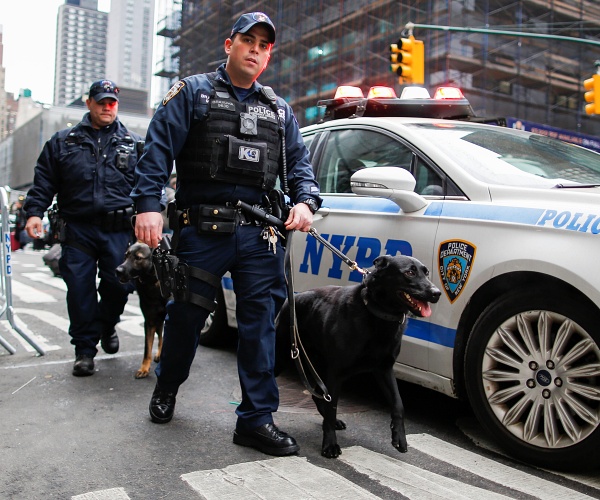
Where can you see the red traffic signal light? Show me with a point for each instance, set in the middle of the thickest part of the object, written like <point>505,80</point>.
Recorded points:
<point>592,85</point>
<point>407,60</point>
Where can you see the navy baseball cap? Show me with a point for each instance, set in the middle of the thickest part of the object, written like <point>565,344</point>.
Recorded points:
<point>103,89</point>
<point>245,23</point>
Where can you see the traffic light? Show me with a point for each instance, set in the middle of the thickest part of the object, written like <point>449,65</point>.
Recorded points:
<point>592,85</point>
<point>407,60</point>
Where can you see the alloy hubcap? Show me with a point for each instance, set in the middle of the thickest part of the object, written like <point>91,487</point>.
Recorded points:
<point>541,376</point>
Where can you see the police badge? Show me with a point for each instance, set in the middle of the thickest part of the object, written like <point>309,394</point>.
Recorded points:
<point>455,260</point>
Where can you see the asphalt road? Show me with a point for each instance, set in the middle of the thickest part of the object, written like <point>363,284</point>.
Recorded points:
<point>91,438</point>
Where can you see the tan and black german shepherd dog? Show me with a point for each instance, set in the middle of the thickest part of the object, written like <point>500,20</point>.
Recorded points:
<point>138,267</point>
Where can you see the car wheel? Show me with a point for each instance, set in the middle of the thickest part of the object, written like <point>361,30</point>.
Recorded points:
<point>532,370</point>
<point>216,332</point>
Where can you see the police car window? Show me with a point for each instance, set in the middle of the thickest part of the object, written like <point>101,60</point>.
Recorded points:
<point>350,150</point>
<point>513,158</point>
<point>308,142</point>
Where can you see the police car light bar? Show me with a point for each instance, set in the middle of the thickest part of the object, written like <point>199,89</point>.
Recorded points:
<point>349,102</point>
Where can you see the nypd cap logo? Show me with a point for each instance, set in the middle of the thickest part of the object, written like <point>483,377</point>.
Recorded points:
<point>455,259</point>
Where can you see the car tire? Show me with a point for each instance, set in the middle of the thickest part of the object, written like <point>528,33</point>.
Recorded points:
<point>532,369</point>
<point>216,332</point>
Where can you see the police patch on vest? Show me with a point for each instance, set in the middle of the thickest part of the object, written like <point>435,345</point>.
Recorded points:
<point>175,89</point>
<point>261,112</point>
<point>455,260</point>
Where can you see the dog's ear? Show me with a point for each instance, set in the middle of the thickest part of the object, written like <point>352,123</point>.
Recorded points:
<point>381,262</point>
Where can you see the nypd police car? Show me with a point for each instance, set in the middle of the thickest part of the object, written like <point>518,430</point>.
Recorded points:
<point>508,222</point>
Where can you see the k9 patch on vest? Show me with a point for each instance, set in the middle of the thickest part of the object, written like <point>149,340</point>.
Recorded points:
<point>247,158</point>
<point>249,154</point>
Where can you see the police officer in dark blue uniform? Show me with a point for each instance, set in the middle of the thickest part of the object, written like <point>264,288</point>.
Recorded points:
<point>90,168</point>
<point>225,131</point>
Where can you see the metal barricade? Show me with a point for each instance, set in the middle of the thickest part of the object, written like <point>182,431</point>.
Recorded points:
<point>6,306</point>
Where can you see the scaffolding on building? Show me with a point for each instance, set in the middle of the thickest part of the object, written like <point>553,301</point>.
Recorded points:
<point>323,44</point>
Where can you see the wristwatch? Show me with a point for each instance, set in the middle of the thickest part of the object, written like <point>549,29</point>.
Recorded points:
<point>312,204</point>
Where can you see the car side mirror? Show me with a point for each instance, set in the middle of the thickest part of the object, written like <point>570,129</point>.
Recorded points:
<point>393,183</point>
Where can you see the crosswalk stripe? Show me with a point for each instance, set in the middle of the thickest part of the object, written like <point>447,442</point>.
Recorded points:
<point>274,479</point>
<point>412,482</point>
<point>29,294</point>
<point>112,494</point>
<point>39,340</point>
<point>47,279</point>
<point>491,470</point>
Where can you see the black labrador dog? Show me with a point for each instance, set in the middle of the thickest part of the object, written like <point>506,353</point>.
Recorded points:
<point>347,330</point>
<point>138,267</point>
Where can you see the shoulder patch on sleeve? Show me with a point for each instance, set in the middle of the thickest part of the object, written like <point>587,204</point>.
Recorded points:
<point>175,89</point>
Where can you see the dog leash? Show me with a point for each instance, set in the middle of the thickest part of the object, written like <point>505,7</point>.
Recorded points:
<point>298,352</point>
<point>336,251</point>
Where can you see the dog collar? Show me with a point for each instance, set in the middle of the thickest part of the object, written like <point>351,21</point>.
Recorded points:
<point>377,312</point>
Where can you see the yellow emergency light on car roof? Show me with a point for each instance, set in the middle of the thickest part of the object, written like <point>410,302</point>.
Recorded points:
<point>380,92</point>
<point>348,91</point>
<point>448,93</point>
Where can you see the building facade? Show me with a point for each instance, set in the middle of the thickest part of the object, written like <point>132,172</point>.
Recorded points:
<point>322,44</point>
<point>129,43</point>
<point>167,53</point>
<point>80,49</point>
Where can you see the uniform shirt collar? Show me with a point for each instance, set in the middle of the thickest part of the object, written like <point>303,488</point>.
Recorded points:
<point>224,77</point>
<point>87,123</point>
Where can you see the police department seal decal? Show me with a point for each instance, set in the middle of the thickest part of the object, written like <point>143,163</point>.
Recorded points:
<point>455,261</point>
<point>175,89</point>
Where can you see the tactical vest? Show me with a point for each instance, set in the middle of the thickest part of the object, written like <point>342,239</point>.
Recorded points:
<point>238,143</point>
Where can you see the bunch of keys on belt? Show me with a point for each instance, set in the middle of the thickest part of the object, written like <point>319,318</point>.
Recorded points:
<point>270,235</point>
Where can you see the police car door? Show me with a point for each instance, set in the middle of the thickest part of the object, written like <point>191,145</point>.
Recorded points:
<point>365,227</point>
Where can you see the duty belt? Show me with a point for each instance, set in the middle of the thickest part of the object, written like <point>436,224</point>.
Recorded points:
<point>214,218</point>
<point>115,220</point>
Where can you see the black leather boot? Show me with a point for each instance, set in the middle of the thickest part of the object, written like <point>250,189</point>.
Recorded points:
<point>162,405</point>
<point>268,439</point>
<point>83,366</point>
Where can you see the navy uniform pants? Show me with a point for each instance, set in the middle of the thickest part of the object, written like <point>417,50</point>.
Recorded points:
<point>259,285</point>
<point>89,316</point>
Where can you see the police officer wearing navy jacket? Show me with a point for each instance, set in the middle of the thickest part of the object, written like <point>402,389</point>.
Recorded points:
<point>226,137</point>
<point>90,168</point>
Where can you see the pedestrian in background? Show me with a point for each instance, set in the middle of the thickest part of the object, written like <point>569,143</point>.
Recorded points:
<point>21,235</point>
<point>90,168</point>
<point>224,130</point>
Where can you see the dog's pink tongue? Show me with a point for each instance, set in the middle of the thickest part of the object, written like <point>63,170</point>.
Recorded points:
<point>425,309</point>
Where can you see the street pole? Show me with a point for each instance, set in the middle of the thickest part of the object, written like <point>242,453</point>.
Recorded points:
<point>411,26</point>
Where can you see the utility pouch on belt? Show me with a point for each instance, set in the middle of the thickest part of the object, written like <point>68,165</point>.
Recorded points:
<point>216,219</point>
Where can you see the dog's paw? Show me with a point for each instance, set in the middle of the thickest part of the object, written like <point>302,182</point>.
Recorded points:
<point>157,358</point>
<point>141,373</point>
<point>340,425</point>
<point>331,451</point>
<point>402,447</point>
